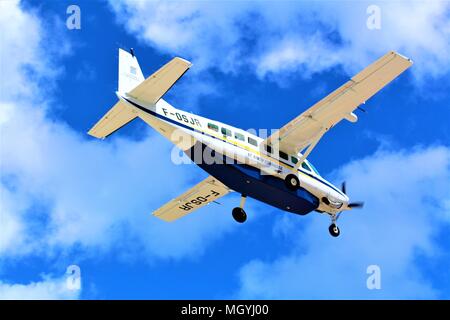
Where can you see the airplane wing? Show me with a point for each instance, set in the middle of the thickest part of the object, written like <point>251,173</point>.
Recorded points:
<point>155,86</point>
<point>200,195</point>
<point>309,127</point>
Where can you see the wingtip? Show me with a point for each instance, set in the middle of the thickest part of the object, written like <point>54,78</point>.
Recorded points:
<point>93,134</point>
<point>188,63</point>
<point>403,56</point>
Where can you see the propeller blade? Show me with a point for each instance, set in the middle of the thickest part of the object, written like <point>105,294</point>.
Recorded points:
<point>344,188</point>
<point>356,205</point>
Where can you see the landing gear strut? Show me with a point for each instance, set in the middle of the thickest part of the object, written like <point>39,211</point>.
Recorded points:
<point>333,228</point>
<point>238,213</point>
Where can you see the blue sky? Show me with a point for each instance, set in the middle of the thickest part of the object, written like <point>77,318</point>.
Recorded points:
<point>68,199</point>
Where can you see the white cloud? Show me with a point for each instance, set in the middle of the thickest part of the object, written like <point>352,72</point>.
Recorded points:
<point>187,28</point>
<point>405,194</point>
<point>292,37</point>
<point>23,62</point>
<point>293,55</point>
<point>47,289</point>
<point>405,27</point>
<point>12,235</point>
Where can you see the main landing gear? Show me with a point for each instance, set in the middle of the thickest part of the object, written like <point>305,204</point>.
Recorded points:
<point>333,228</point>
<point>292,182</point>
<point>238,213</point>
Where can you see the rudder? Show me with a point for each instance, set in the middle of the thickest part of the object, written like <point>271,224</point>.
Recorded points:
<point>130,74</point>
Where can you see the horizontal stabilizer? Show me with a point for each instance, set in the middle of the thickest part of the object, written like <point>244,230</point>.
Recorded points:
<point>117,117</point>
<point>155,86</point>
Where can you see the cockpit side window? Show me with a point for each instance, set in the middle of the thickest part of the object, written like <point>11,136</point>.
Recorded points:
<point>305,166</point>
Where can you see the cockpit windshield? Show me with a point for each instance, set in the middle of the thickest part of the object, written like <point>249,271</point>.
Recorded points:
<point>312,167</point>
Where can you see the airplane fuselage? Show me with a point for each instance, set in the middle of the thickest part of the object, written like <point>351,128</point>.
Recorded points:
<point>238,159</point>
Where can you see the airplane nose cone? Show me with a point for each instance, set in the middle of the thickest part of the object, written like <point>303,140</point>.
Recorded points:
<point>346,199</point>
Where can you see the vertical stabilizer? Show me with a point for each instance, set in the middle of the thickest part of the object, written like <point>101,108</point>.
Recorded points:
<point>130,74</point>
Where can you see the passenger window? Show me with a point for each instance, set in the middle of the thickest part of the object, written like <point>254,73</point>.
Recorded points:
<point>268,148</point>
<point>283,155</point>
<point>252,141</point>
<point>239,136</point>
<point>306,167</point>
<point>294,160</point>
<point>213,127</point>
<point>226,132</point>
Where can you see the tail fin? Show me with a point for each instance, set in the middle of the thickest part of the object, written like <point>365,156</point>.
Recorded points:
<point>132,84</point>
<point>130,74</point>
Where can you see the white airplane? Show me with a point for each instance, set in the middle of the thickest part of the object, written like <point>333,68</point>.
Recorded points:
<point>272,170</point>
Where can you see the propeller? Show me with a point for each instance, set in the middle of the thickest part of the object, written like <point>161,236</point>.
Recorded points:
<point>355,205</point>
<point>344,188</point>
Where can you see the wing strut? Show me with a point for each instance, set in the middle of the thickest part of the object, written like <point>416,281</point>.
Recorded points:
<point>308,150</point>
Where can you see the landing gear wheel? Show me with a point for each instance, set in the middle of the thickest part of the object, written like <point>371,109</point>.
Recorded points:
<point>292,182</point>
<point>334,230</point>
<point>239,215</point>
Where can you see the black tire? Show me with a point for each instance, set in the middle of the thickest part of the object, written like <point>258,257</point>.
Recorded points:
<point>239,215</point>
<point>292,182</point>
<point>334,230</point>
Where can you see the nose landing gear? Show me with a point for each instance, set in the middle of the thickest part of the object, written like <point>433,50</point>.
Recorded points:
<point>333,228</point>
<point>238,213</point>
